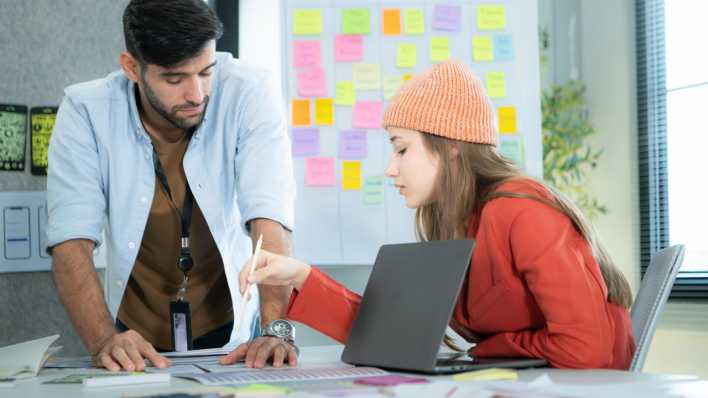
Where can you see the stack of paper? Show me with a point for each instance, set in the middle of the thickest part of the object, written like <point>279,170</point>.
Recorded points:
<point>24,360</point>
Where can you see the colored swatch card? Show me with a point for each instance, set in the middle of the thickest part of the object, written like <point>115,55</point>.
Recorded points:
<point>413,23</point>
<point>507,120</point>
<point>324,111</point>
<point>42,121</point>
<point>391,84</point>
<point>366,76</point>
<point>319,172</point>
<point>512,148</point>
<point>447,17</point>
<point>351,175</point>
<point>13,137</point>
<point>344,93</point>
<point>348,48</point>
<point>390,380</point>
<point>503,49</point>
<point>356,21</point>
<point>301,112</point>
<point>306,53</point>
<point>311,82</point>
<point>353,144</point>
<point>406,56</point>
<point>439,48</point>
<point>496,84</point>
<point>482,49</point>
<point>306,142</point>
<point>391,22</point>
<point>373,190</point>
<point>367,115</point>
<point>491,17</point>
<point>307,22</point>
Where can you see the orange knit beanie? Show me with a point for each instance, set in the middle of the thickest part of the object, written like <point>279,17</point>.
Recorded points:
<point>447,100</point>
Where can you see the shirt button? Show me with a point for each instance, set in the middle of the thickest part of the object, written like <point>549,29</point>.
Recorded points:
<point>143,199</point>
<point>131,245</point>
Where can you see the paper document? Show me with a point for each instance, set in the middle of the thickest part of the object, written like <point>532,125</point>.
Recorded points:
<point>23,360</point>
<point>282,375</point>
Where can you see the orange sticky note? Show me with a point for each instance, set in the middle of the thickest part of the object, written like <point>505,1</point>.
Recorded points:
<point>301,112</point>
<point>324,111</point>
<point>391,22</point>
<point>507,120</point>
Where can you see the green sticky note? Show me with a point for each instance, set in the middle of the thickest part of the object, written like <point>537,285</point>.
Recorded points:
<point>367,76</point>
<point>496,84</point>
<point>307,22</point>
<point>491,17</point>
<point>439,48</point>
<point>482,49</point>
<point>356,21</point>
<point>512,148</point>
<point>413,22</point>
<point>406,56</point>
<point>344,93</point>
<point>391,84</point>
<point>373,190</point>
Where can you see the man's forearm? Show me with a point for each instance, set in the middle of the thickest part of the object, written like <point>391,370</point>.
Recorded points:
<point>81,293</point>
<point>276,239</point>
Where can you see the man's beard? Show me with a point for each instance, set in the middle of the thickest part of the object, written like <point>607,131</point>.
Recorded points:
<point>160,108</point>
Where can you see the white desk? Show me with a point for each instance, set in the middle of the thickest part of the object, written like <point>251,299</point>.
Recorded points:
<point>618,381</point>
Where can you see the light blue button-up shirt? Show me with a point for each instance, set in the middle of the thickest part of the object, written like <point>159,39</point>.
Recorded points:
<point>238,165</point>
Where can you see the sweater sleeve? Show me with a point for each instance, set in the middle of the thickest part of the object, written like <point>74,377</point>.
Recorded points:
<point>565,281</point>
<point>325,305</point>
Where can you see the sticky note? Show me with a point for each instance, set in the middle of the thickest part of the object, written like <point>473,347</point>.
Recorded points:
<point>391,22</point>
<point>512,148</point>
<point>496,84</point>
<point>439,48</point>
<point>373,190</point>
<point>367,115</point>
<point>503,49</point>
<point>407,77</point>
<point>319,172</point>
<point>482,49</point>
<point>324,111</point>
<point>406,56</point>
<point>356,21</point>
<point>348,48</point>
<point>306,53</point>
<point>487,374</point>
<point>352,144</point>
<point>391,84</point>
<point>256,390</point>
<point>447,17</point>
<point>351,175</point>
<point>306,142</point>
<point>491,17</point>
<point>366,76</point>
<point>507,120</point>
<point>413,23</point>
<point>301,112</point>
<point>345,94</point>
<point>389,380</point>
<point>311,82</point>
<point>307,22</point>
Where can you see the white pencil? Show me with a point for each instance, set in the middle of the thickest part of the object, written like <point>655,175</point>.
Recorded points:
<point>248,285</point>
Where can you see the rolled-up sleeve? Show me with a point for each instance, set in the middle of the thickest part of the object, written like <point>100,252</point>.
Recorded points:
<point>264,170</point>
<point>75,197</point>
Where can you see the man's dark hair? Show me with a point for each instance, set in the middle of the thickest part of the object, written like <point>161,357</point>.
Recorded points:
<point>166,33</point>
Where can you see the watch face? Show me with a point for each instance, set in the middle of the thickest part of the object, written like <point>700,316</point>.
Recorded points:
<point>282,328</point>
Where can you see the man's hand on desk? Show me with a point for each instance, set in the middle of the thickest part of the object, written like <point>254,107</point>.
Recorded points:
<point>127,351</point>
<point>257,352</point>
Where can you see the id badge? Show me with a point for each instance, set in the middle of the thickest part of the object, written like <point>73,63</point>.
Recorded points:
<point>181,321</point>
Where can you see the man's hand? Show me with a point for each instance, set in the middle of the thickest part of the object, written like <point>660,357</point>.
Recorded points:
<point>257,352</point>
<point>127,351</point>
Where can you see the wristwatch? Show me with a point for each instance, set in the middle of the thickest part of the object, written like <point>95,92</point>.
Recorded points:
<point>280,328</point>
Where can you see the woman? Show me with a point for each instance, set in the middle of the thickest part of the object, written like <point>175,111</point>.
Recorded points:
<point>539,283</point>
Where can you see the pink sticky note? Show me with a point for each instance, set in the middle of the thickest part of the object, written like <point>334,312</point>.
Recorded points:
<point>306,142</point>
<point>306,53</point>
<point>367,114</point>
<point>352,144</point>
<point>389,380</point>
<point>319,172</point>
<point>311,82</point>
<point>348,48</point>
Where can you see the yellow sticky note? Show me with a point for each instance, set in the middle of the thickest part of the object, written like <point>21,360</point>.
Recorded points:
<point>496,84</point>
<point>301,112</point>
<point>391,84</point>
<point>391,22</point>
<point>482,49</point>
<point>487,374</point>
<point>256,390</point>
<point>507,120</point>
<point>406,56</point>
<point>407,77</point>
<point>413,23</point>
<point>324,112</point>
<point>307,22</point>
<point>491,17</point>
<point>356,21</point>
<point>344,93</point>
<point>351,175</point>
<point>439,48</point>
<point>366,76</point>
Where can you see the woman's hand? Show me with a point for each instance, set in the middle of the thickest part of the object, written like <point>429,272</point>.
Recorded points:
<point>274,269</point>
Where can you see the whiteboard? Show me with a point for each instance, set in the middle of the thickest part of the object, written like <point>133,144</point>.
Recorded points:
<point>339,226</point>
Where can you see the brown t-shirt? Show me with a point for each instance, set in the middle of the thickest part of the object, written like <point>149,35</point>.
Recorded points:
<point>155,278</point>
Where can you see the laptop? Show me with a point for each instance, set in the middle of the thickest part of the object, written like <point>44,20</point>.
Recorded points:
<point>406,307</point>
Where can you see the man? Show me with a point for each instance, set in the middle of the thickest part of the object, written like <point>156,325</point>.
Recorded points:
<point>180,155</point>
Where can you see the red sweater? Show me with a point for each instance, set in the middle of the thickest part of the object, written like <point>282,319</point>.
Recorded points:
<point>533,290</point>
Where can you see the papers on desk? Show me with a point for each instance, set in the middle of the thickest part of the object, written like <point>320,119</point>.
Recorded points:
<point>24,360</point>
<point>283,375</point>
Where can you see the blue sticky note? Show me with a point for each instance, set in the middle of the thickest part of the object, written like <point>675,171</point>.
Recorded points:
<point>503,48</point>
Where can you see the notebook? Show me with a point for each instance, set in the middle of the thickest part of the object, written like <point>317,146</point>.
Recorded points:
<point>22,360</point>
